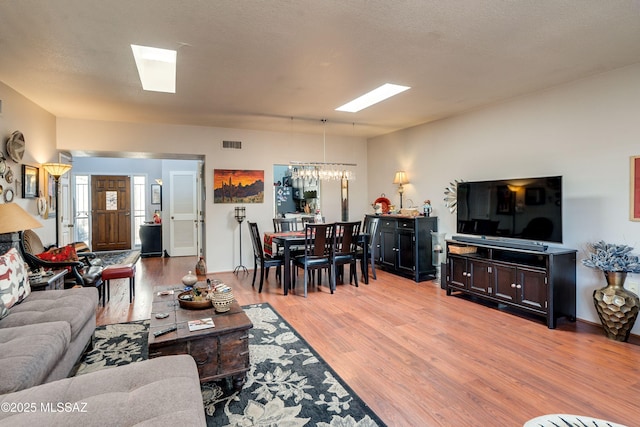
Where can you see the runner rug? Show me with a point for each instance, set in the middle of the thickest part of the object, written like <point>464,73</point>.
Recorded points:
<point>288,383</point>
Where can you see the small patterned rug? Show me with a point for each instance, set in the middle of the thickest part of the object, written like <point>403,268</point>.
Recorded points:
<point>288,383</point>
<point>118,257</point>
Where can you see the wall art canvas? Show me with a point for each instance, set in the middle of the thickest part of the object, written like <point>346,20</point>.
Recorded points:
<point>238,186</point>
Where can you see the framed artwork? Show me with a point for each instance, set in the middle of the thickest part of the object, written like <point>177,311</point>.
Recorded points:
<point>634,186</point>
<point>238,186</point>
<point>29,182</point>
<point>156,194</point>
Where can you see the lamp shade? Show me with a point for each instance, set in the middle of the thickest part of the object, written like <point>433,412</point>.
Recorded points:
<point>401,178</point>
<point>13,218</point>
<point>56,169</point>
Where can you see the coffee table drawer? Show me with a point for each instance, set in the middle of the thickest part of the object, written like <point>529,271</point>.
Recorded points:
<point>234,351</point>
<point>169,349</point>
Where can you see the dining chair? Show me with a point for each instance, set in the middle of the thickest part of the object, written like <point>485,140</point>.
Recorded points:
<point>318,247</point>
<point>285,224</point>
<point>344,250</point>
<point>370,227</point>
<point>259,256</point>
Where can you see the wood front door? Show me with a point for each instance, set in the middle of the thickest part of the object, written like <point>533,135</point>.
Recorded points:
<point>111,213</point>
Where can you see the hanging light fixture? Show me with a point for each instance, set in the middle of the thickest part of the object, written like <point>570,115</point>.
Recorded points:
<point>323,171</point>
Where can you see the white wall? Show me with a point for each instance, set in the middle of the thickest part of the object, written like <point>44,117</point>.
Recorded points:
<point>585,131</point>
<point>260,150</point>
<point>39,130</point>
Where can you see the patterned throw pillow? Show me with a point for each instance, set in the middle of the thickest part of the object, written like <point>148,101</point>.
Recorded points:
<point>64,254</point>
<point>14,283</point>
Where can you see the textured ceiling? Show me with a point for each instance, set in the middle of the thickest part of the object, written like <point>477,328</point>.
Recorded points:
<point>256,64</point>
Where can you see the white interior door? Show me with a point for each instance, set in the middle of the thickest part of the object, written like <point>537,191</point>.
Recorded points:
<point>183,215</point>
<point>66,220</point>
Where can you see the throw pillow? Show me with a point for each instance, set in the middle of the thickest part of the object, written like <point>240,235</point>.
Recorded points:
<point>14,282</point>
<point>63,254</point>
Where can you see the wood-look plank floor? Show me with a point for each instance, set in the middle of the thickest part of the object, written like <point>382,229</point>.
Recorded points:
<point>420,358</point>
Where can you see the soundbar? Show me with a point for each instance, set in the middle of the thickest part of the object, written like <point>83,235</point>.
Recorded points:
<point>511,244</point>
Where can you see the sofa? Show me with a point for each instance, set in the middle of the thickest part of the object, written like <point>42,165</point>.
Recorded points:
<point>42,334</point>
<point>164,391</point>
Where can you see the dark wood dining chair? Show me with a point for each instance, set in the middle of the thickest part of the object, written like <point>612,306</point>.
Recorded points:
<point>318,247</point>
<point>259,256</point>
<point>345,250</point>
<point>285,224</point>
<point>370,227</point>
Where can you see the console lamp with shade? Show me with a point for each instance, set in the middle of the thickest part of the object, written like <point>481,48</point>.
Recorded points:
<point>401,179</point>
<point>14,219</point>
<point>56,170</point>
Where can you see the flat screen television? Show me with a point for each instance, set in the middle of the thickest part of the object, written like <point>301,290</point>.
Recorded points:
<point>523,208</point>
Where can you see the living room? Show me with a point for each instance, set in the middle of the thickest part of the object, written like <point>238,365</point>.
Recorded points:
<point>585,129</point>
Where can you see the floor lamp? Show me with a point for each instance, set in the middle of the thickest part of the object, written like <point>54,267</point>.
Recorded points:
<point>56,170</point>
<point>240,215</point>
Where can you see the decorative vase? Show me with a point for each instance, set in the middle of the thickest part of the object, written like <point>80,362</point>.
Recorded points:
<point>201,267</point>
<point>617,307</point>
<point>189,279</point>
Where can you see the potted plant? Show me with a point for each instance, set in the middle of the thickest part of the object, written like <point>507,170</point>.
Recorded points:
<point>617,307</point>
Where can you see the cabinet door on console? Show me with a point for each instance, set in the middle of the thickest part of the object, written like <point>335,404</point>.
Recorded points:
<point>506,286</point>
<point>458,272</point>
<point>534,288</point>
<point>480,277</point>
<point>388,247</point>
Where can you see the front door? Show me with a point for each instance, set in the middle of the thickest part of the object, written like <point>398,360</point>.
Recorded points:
<point>110,212</point>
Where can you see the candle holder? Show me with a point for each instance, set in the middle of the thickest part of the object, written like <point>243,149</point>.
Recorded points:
<point>240,215</point>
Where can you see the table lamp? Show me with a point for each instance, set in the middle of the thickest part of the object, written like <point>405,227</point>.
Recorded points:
<point>14,219</point>
<point>401,179</point>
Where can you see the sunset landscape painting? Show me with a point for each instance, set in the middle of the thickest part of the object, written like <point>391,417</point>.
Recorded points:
<point>238,186</point>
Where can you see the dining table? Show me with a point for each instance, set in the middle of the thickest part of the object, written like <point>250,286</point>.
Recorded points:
<point>291,240</point>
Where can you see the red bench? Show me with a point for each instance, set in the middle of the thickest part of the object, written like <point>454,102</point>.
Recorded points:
<point>120,271</point>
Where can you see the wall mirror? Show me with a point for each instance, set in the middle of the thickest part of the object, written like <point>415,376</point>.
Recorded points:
<point>296,191</point>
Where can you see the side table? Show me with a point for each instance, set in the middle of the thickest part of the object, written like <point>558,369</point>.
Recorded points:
<point>47,283</point>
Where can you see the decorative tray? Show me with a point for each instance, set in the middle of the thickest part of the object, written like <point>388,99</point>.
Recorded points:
<point>185,299</point>
<point>384,202</point>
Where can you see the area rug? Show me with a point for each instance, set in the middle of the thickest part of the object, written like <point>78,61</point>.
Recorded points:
<point>288,384</point>
<point>119,257</point>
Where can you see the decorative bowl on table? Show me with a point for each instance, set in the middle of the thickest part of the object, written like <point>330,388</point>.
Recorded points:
<point>190,301</point>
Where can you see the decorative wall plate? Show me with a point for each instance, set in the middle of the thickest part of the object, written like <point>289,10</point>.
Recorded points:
<point>8,195</point>
<point>15,146</point>
<point>8,175</point>
<point>3,165</point>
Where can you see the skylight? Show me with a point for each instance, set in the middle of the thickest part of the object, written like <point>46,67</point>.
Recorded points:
<point>385,91</point>
<point>156,67</point>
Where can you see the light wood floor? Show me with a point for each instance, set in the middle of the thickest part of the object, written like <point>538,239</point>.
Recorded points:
<point>420,358</point>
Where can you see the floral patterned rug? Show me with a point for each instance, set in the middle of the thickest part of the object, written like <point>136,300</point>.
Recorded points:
<point>288,383</point>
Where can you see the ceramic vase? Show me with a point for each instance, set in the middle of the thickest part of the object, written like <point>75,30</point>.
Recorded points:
<point>201,267</point>
<point>616,306</point>
<point>189,279</point>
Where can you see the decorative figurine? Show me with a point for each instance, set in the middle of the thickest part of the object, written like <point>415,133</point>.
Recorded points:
<point>427,208</point>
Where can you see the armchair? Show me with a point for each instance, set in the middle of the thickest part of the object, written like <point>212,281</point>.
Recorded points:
<point>83,267</point>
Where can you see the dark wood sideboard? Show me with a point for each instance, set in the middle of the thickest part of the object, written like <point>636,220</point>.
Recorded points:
<point>403,246</point>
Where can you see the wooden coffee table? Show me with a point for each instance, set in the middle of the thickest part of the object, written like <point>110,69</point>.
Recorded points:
<point>219,352</point>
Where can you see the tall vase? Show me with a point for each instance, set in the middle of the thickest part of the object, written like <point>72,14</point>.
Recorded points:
<point>617,307</point>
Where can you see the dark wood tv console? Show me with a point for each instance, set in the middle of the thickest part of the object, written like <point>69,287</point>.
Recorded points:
<point>538,282</point>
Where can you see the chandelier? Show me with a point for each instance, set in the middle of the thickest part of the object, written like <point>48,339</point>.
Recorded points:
<point>322,171</point>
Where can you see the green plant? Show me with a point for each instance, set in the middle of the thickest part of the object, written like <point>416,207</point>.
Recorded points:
<point>612,257</point>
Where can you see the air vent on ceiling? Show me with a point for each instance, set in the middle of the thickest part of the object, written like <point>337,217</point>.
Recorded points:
<point>232,145</point>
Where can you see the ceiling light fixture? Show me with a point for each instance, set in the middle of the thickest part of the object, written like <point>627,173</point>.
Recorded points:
<point>156,68</point>
<point>323,171</point>
<point>385,91</point>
